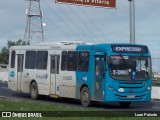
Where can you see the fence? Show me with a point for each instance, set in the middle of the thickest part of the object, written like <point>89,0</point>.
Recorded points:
<point>155,71</point>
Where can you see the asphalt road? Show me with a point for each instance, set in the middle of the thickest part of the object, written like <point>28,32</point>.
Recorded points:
<point>137,106</point>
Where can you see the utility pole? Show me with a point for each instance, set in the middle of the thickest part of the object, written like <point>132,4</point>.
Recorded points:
<point>132,21</point>
<point>34,27</point>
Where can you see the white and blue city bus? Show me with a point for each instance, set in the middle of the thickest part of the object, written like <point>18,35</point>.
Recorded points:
<point>89,72</point>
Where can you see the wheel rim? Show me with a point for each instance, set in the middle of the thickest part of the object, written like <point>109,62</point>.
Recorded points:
<point>85,96</point>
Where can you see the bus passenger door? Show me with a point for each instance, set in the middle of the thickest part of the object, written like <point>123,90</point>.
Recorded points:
<point>19,71</point>
<point>99,76</point>
<point>54,84</point>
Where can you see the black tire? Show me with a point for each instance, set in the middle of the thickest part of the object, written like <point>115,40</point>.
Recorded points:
<point>85,97</point>
<point>42,97</point>
<point>34,91</point>
<point>125,104</point>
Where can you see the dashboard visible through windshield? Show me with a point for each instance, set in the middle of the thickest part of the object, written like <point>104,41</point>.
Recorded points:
<point>130,67</point>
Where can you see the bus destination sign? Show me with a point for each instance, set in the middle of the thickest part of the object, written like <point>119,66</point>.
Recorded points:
<point>129,48</point>
<point>98,3</point>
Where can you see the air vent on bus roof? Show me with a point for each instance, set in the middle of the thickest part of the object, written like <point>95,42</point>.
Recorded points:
<point>64,43</point>
<point>72,42</point>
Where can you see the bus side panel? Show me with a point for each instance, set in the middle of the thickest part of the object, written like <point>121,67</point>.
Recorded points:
<point>26,87</point>
<point>67,84</point>
<point>28,76</point>
<point>12,80</point>
<point>67,91</point>
<point>86,78</point>
<point>12,74</point>
<point>41,77</point>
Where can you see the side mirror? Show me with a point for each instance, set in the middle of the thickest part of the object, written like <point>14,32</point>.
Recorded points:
<point>109,61</point>
<point>146,64</point>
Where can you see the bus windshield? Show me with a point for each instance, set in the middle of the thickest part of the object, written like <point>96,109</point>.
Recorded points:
<point>130,67</point>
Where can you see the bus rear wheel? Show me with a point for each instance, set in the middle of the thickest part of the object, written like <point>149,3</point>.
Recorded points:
<point>125,104</point>
<point>34,91</point>
<point>85,97</point>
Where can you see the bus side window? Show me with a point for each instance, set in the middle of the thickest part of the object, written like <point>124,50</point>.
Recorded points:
<point>42,57</point>
<point>72,61</point>
<point>13,59</point>
<point>83,61</point>
<point>30,62</point>
<point>64,61</point>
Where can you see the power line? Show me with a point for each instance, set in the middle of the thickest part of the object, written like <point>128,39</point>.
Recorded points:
<point>91,21</point>
<point>85,25</point>
<point>56,26</point>
<point>75,23</point>
<point>61,18</point>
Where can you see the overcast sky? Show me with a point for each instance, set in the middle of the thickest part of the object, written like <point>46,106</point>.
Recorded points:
<point>88,24</point>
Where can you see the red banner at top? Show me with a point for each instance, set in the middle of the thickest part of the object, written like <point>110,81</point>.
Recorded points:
<point>99,3</point>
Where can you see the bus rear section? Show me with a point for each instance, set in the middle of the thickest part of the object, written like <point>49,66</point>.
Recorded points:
<point>15,70</point>
<point>40,70</point>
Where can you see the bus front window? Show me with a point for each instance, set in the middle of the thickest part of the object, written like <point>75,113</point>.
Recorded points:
<point>130,67</point>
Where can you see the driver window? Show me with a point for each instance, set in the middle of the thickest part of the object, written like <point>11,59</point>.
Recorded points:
<point>142,69</point>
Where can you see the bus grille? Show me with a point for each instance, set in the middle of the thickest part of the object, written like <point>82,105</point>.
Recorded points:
<point>132,90</point>
<point>131,85</point>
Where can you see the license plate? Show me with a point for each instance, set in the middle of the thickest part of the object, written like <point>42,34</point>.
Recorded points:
<point>130,96</point>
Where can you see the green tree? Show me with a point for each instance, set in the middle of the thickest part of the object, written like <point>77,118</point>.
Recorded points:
<point>4,54</point>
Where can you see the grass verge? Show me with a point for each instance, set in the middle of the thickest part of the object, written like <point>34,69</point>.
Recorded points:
<point>34,106</point>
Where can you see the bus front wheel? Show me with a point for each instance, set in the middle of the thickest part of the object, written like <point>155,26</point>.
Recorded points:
<point>125,104</point>
<point>34,91</point>
<point>85,97</point>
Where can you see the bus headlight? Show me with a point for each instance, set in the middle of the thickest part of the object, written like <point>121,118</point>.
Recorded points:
<point>121,90</point>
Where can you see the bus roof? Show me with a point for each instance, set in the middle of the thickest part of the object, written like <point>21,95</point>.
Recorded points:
<point>77,45</point>
<point>49,45</point>
<point>117,48</point>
